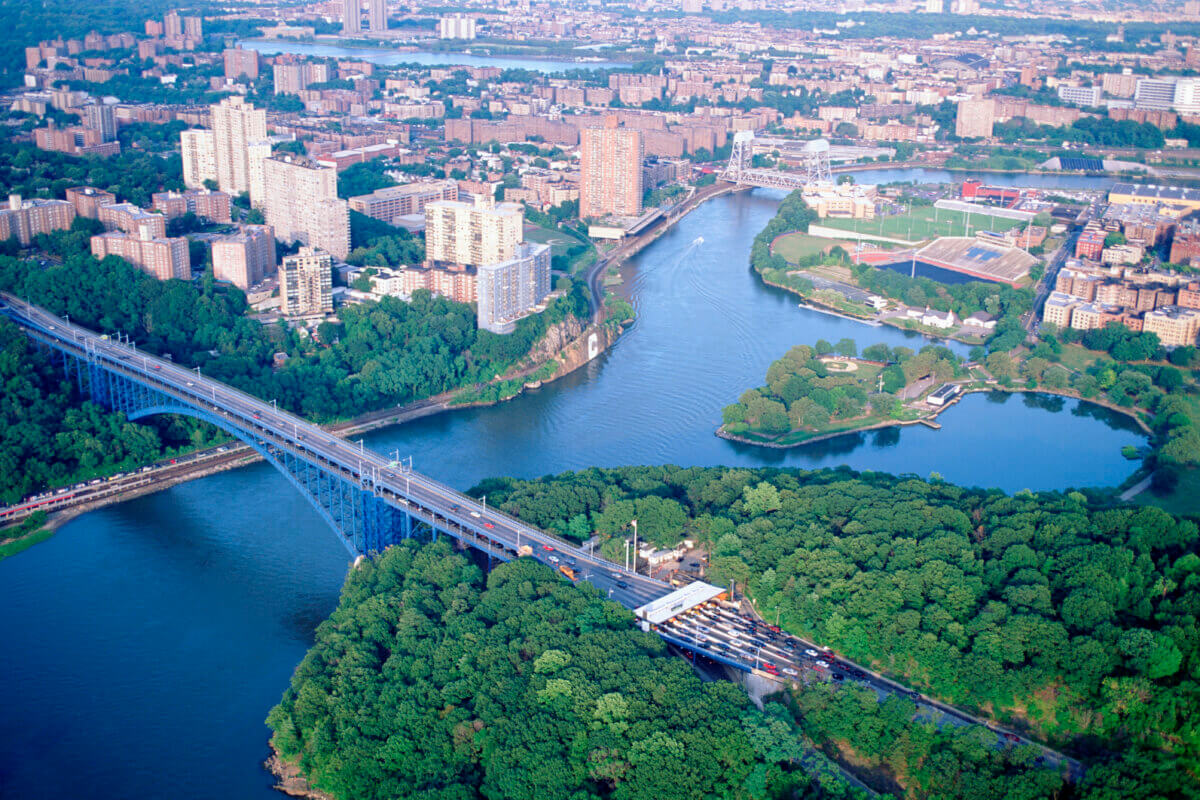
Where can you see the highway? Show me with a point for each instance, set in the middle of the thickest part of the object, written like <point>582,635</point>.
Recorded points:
<point>278,431</point>
<point>719,628</point>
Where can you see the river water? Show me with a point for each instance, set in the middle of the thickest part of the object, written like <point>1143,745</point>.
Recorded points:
<point>145,643</point>
<point>390,57</point>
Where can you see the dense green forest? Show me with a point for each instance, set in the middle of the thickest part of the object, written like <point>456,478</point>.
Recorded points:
<point>431,682</point>
<point>1069,620</point>
<point>804,393</point>
<point>50,436</point>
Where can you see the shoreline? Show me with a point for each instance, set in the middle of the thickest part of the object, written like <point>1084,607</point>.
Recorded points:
<point>900,423</point>
<point>591,341</point>
<point>816,305</point>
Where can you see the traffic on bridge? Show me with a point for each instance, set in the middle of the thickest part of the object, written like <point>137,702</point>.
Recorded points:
<point>697,618</point>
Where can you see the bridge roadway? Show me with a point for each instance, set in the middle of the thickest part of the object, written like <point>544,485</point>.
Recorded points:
<point>714,631</point>
<point>475,523</point>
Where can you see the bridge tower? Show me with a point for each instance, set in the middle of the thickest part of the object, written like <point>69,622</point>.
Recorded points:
<point>739,156</point>
<point>816,162</point>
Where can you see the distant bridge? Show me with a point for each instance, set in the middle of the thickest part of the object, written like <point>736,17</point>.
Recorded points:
<point>739,170</point>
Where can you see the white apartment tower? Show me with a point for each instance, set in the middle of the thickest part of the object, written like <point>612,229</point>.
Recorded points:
<point>199,157</point>
<point>306,283</point>
<point>301,204</point>
<point>510,290</point>
<point>351,16</point>
<point>236,124</point>
<point>459,234</point>
<point>377,15</point>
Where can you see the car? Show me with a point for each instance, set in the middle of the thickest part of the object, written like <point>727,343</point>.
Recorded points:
<point>915,695</point>
<point>553,559</point>
<point>820,665</point>
<point>811,653</point>
<point>791,673</point>
<point>156,366</point>
<point>837,676</point>
<point>454,507</point>
<point>548,548</point>
<point>624,585</point>
<point>774,628</point>
<point>476,514</point>
<point>191,384</point>
<point>571,561</point>
<point>1012,737</point>
<point>257,415</point>
<point>488,525</point>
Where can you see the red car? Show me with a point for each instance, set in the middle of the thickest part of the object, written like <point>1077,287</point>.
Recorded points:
<point>548,548</point>
<point>488,525</point>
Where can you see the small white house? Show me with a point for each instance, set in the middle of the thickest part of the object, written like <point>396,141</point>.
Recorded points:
<point>981,319</point>
<point>938,319</point>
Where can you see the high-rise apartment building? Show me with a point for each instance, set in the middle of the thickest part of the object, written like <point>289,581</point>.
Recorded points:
<point>301,204</point>
<point>161,257</point>
<point>306,283</point>
<point>209,205</point>
<point>256,154</point>
<point>393,202</point>
<point>460,235</point>
<point>377,15</point>
<point>246,257</point>
<point>24,219</point>
<point>87,200</point>
<point>173,25</point>
<point>935,6</point>
<point>975,119</point>
<point>351,16</point>
<point>1175,326</point>
<point>240,62</point>
<point>510,290</point>
<point>199,157</point>
<point>128,218</point>
<point>610,179</point>
<point>295,77</point>
<point>457,26</point>
<point>1154,93</point>
<point>101,117</point>
<point>236,124</point>
<point>1079,95</point>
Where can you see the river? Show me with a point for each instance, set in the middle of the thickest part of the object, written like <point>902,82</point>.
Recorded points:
<point>145,643</point>
<point>389,56</point>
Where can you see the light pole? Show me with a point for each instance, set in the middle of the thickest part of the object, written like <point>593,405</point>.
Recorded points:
<point>634,545</point>
<point>627,555</point>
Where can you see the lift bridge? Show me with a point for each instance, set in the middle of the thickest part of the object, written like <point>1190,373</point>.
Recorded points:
<point>739,170</point>
<point>369,501</point>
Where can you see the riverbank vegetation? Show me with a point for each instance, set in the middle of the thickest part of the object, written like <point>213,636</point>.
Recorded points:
<point>811,393</point>
<point>431,680</point>
<point>51,436</point>
<point>786,267</point>
<point>1066,618</point>
<point>24,535</point>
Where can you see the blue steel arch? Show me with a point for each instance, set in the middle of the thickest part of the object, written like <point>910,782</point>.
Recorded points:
<point>362,520</point>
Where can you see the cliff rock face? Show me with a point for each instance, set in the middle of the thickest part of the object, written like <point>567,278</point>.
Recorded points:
<point>291,781</point>
<point>557,337</point>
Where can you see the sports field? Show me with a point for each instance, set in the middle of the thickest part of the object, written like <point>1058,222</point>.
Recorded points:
<point>795,246</point>
<point>924,223</point>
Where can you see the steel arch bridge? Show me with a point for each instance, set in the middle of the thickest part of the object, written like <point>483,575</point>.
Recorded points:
<point>369,501</point>
<point>350,505</point>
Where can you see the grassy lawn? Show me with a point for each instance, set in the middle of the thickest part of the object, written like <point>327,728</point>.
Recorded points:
<point>558,240</point>
<point>924,223</point>
<point>1077,357</point>
<point>1183,500</point>
<point>795,246</point>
